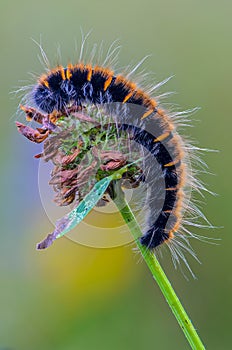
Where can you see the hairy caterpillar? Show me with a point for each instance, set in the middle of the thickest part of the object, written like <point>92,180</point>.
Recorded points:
<point>64,91</point>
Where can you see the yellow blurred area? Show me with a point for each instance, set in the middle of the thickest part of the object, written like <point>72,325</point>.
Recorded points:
<point>69,265</point>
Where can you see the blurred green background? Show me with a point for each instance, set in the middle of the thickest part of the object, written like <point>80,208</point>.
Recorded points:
<point>73,297</point>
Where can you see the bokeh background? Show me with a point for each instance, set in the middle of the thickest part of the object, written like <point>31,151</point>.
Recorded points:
<point>74,297</point>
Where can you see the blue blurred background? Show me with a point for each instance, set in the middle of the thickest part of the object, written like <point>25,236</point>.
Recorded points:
<point>74,297</point>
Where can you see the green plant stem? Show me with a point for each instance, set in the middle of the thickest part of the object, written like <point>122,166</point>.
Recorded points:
<point>158,273</point>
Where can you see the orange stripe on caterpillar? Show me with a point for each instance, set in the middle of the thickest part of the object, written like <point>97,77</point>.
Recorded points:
<point>162,137</point>
<point>43,80</point>
<point>89,69</point>
<point>174,162</point>
<point>108,82</point>
<point>69,71</point>
<point>149,112</point>
<point>62,72</point>
<point>127,97</point>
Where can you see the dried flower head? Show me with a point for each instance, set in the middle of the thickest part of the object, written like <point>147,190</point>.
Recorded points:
<point>81,149</point>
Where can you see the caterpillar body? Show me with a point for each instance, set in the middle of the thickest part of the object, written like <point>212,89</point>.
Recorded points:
<point>65,89</point>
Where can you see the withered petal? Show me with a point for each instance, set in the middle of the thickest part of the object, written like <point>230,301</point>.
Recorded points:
<point>32,134</point>
<point>32,114</point>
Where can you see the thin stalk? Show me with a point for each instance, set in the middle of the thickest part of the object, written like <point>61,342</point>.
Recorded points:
<point>158,273</point>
